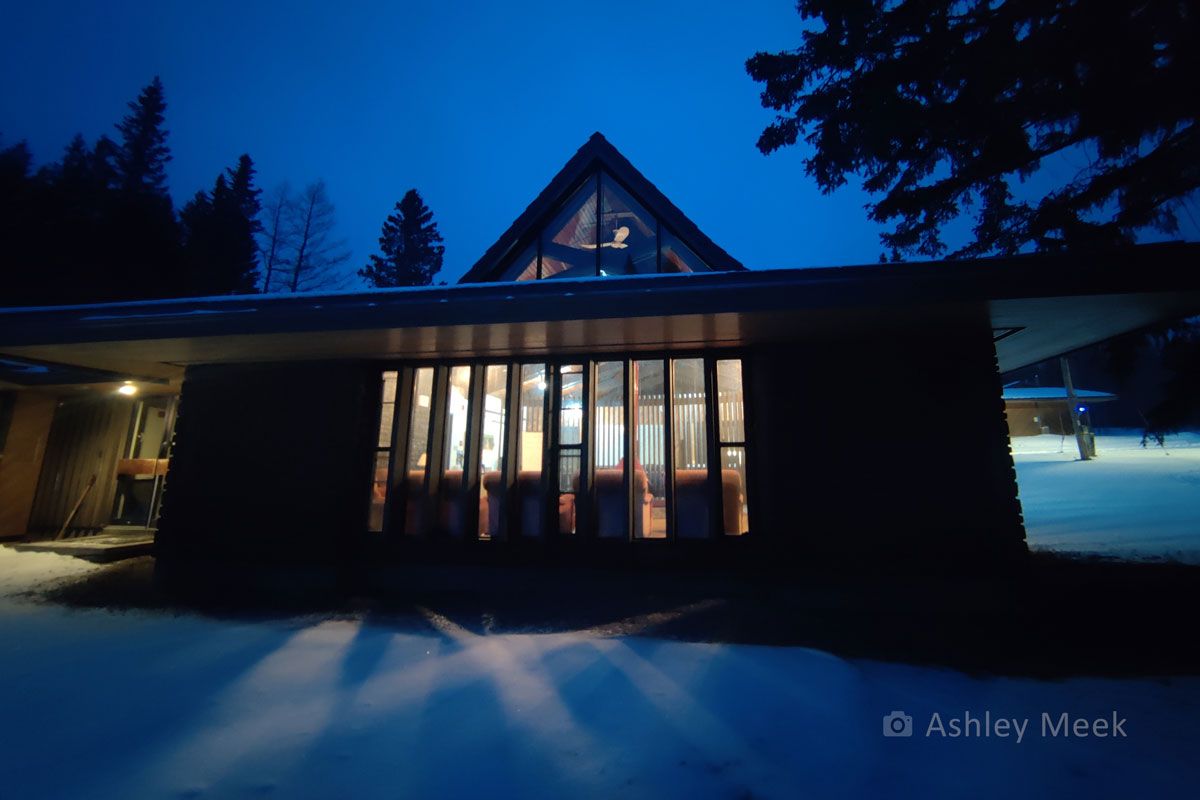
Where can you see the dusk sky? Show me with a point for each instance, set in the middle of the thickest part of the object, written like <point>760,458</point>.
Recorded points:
<point>476,105</point>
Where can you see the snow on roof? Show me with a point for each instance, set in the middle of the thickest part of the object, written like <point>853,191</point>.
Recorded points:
<point>1052,393</point>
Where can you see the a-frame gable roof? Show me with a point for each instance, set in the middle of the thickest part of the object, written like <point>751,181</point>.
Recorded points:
<point>596,154</point>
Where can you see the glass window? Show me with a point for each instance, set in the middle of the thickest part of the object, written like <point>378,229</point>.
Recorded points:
<point>649,403</point>
<point>678,257</point>
<point>610,450</point>
<point>530,438</point>
<point>454,455</point>
<point>691,449</point>
<point>568,479</point>
<point>452,487</point>
<point>569,242</point>
<point>628,233</point>
<point>571,407</point>
<point>731,430</point>
<point>491,450</point>
<point>688,401</point>
<point>610,414</point>
<point>387,410</point>
<point>570,439</point>
<point>418,428</point>
<point>524,267</point>
<point>418,450</point>
<point>733,491</point>
<point>730,409</point>
<point>379,480</point>
<point>378,491</point>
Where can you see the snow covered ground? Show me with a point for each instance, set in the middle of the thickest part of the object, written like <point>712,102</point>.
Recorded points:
<point>1130,501</point>
<point>102,704</point>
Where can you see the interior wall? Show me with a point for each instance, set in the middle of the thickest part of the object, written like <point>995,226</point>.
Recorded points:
<point>859,453</point>
<point>21,459</point>
<point>1026,418</point>
<point>271,463</point>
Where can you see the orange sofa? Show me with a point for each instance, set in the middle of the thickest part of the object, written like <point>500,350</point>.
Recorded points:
<point>528,498</point>
<point>610,503</point>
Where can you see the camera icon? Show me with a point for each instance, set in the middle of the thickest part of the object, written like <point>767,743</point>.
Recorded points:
<point>897,723</point>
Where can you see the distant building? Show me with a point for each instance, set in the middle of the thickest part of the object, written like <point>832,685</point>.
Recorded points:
<point>606,383</point>
<point>1035,410</point>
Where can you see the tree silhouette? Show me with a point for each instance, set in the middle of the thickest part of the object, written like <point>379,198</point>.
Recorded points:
<point>940,105</point>
<point>409,243</point>
<point>245,194</point>
<point>141,237</point>
<point>142,158</point>
<point>277,238</point>
<point>98,225</point>
<point>19,224</point>
<point>219,229</point>
<point>297,242</point>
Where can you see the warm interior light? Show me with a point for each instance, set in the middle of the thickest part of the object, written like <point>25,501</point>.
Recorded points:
<point>127,389</point>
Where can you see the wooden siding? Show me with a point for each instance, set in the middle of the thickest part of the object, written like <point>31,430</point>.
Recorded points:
<point>85,440</point>
<point>21,461</point>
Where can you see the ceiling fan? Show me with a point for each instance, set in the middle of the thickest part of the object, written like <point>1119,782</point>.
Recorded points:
<point>619,237</point>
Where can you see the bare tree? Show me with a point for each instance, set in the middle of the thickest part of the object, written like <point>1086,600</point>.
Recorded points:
<point>299,253</point>
<point>277,238</point>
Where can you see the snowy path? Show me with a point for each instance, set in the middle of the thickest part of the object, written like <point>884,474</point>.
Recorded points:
<point>1130,501</point>
<point>99,704</point>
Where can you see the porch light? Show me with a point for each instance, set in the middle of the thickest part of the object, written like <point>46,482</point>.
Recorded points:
<point>127,389</point>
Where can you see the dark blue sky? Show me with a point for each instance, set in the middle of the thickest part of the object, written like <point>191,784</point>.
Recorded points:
<point>476,105</point>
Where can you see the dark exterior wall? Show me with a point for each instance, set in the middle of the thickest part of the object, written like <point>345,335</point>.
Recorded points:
<point>270,464</point>
<point>860,455</point>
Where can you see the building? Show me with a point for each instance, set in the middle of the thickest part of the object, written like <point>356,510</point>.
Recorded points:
<point>606,383</point>
<point>1034,410</point>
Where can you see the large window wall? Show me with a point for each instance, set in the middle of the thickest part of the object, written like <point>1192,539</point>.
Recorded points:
<point>605,448</point>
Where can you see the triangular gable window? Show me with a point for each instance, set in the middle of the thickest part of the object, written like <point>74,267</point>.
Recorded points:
<point>599,216</point>
<point>569,241</point>
<point>625,240</point>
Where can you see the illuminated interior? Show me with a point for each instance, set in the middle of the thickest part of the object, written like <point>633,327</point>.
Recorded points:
<point>539,450</point>
<point>601,230</point>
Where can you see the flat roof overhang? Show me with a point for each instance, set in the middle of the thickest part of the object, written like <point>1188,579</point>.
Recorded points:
<point>1040,306</point>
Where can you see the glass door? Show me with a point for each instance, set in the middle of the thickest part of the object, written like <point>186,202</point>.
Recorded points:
<point>142,468</point>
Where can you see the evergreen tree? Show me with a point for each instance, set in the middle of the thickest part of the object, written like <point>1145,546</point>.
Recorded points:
<point>939,106</point>
<point>20,278</point>
<point>219,234</point>
<point>409,243</point>
<point>87,175</point>
<point>142,158</point>
<point>219,228</point>
<point>81,199</point>
<point>141,238</point>
<point>241,183</point>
